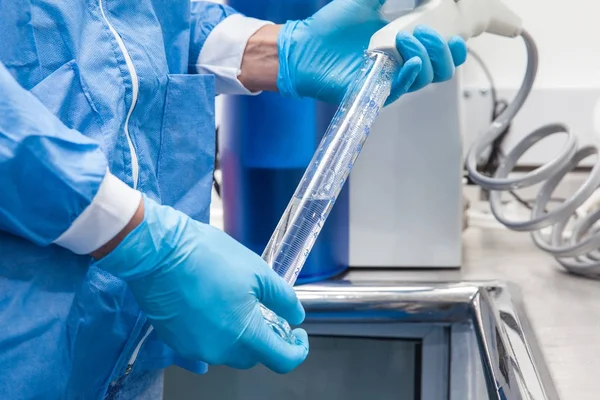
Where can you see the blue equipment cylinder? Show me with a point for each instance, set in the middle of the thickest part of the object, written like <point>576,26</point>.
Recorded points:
<point>266,144</point>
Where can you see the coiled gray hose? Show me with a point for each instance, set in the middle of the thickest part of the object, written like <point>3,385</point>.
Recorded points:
<point>580,253</point>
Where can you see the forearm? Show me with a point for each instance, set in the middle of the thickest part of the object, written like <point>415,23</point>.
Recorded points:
<point>54,181</point>
<point>260,63</point>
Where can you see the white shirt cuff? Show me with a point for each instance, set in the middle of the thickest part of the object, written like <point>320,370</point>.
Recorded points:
<point>109,212</point>
<point>223,51</point>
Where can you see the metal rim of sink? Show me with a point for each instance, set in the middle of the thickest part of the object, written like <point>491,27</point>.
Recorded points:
<point>507,344</point>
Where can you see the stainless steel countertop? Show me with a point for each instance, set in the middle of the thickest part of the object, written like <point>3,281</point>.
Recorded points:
<point>564,310</point>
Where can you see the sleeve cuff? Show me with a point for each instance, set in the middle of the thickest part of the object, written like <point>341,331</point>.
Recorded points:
<point>109,212</point>
<point>223,51</point>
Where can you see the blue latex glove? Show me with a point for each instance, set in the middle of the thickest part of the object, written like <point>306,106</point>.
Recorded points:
<point>201,291</point>
<point>319,57</point>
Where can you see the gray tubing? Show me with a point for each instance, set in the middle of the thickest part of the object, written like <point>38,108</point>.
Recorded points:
<point>580,254</point>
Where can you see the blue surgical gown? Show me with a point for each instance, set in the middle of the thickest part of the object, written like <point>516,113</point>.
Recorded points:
<point>67,329</point>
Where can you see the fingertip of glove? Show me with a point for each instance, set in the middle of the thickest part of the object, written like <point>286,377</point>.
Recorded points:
<point>302,339</point>
<point>414,63</point>
<point>296,313</point>
<point>291,354</point>
<point>412,68</point>
<point>459,50</point>
<point>280,297</point>
<point>405,79</point>
<point>301,314</point>
<point>410,72</point>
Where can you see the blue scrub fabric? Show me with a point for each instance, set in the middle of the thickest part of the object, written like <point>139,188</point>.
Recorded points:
<point>67,329</point>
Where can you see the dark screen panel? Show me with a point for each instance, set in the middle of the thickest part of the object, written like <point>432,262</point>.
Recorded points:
<point>337,368</point>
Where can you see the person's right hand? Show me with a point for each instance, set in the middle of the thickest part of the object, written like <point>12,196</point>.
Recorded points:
<point>202,290</point>
<point>320,57</point>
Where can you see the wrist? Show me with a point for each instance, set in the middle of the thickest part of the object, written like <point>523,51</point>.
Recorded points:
<point>110,210</point>
<point>260,63</point>
<point>136,220</point>
<point>287,45</point>
<point>151,237</point>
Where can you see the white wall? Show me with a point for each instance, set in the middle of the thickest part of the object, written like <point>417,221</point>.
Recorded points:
<point>568,85</point>
<point>568,37</point>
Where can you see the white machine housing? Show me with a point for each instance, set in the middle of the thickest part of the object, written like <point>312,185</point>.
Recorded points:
<point>406,188</point>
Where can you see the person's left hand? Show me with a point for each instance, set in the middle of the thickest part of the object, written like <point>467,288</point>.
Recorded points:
<point>319,57</point>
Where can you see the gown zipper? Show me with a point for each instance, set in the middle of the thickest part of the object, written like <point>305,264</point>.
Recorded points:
<point>134,95</point>
<point>132,151</point>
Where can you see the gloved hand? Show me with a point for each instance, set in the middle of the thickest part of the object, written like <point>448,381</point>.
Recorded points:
<point>201,291</point>
<point>319,57</point>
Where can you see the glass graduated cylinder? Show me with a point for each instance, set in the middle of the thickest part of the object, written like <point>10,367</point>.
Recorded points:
<point>326,174</point>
